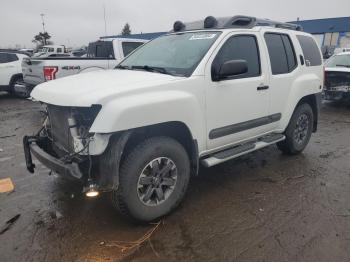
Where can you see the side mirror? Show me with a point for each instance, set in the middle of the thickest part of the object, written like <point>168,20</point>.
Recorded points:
<point>231,68</point>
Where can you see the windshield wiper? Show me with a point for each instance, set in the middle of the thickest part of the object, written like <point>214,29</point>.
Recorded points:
<point>121,67</point>
<point>161,70</point>
<point>343,65</point>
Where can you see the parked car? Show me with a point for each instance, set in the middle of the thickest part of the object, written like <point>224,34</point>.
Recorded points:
<point>337,77</point>
<point>208,92</point>
<point>27,50</point>
<point>10,70</point>
<point>47,50</point>
<point>78,52</point>
<point>100,55</point>
<point>341,50</point>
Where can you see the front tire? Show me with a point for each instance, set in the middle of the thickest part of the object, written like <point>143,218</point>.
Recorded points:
<point>153,179</point>
<point>299,130</point>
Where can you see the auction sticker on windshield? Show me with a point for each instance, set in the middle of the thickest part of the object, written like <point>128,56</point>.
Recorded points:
<point>202,36</point>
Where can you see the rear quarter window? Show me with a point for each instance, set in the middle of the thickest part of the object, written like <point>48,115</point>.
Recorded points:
<point>310,50</point>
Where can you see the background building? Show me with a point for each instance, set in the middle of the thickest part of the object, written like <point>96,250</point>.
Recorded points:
<point>332,32</point>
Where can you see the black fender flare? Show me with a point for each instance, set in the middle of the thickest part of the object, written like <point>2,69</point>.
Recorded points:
<point>14,77</point>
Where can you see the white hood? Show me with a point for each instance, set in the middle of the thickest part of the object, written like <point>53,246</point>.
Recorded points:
<point>86,89</point>
<point>337,69</point>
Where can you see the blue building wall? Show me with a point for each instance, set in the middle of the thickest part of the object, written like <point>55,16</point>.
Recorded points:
<point>329,31</point>
<point>326,25</point>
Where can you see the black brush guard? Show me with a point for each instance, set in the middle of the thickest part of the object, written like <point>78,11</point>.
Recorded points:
<point>31,146</point>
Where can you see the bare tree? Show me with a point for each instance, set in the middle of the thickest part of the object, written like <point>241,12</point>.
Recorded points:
<point>126,29</point>
<point>41,38</point>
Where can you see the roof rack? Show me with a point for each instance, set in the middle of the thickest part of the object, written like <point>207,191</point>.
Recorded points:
<point>239,21</point>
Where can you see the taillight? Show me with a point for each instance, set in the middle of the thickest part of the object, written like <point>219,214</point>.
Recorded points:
<point>50,72</point>
<point>324,77</point>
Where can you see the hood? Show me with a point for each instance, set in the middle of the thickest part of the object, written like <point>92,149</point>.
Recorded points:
<point>97,87</point>
<point>337,69</point>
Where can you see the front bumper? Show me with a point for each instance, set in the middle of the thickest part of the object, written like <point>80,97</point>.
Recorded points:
<point>31,147</point>
<point>337,92</point>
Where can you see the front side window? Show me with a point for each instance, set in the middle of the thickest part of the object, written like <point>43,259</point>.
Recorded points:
<point>242,47</point>
<point>281,53</point>
<point>128,47</point>
<point>176,54</point>
<point>310,50</point>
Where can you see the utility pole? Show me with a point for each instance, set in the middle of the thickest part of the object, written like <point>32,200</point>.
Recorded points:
<point>104,17</point>
<point>43,22</point>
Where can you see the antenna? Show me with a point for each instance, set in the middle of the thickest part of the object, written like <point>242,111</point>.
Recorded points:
<point>43,22</point>
<point>104,16</point>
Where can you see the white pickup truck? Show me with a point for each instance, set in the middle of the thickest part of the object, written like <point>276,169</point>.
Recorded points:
<point>49,50</point>
<point>206,93</point>
<point>101,55</point>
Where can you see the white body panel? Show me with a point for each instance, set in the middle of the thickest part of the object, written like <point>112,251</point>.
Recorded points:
<point>226,100</point>
<point>8,70</point>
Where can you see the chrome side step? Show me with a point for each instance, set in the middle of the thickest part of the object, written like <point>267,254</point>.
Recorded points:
<point>243,149</point>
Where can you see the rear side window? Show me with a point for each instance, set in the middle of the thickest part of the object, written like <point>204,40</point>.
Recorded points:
<point>310,50</point>
<point>12,57</point>
<point>7,58</point>
<point>128,47</point>
<point>3,58</point>
<point>281,52</point>
<point>243,47</point>
<point>100,49</point>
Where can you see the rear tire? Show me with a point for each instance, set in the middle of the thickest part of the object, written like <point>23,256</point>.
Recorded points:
<point>299,130</point>
<point>145,193</point>
<point>18,80</point>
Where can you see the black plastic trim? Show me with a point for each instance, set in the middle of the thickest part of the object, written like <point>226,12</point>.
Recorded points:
<point>234,151</point>
<point>240,127</point>
<point>68,170</point>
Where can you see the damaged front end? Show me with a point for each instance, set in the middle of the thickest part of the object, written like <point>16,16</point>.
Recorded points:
<point>337,86</point>
<point>65,145</point>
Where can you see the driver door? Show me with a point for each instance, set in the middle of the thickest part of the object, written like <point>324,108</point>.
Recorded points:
<point>238,106</point>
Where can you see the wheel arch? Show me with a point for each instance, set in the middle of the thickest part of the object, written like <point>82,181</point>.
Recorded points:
<point>314,100</point>
<point>174,129</point>
<point>14,77</point>
<point>121,143</point>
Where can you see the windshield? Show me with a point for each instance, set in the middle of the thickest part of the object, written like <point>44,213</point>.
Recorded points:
<point>176,54</point>
<point>339,61</point>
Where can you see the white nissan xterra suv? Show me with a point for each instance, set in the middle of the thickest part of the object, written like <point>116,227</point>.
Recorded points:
<point>207,92</point>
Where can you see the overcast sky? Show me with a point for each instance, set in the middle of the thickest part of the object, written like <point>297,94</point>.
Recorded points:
<point>76,22</point>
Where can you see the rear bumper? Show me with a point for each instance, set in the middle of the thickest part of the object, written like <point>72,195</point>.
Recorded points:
<point>31,147</point>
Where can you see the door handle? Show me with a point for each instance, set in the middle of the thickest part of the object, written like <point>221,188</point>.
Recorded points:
<point>262,87</point>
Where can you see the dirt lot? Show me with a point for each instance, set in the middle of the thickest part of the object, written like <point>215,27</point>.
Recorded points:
<point>262,207</point>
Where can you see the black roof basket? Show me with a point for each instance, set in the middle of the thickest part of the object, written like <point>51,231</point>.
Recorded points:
<point>232,22</point>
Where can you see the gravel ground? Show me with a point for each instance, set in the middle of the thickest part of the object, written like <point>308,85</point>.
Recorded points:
<point>261,207</point>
